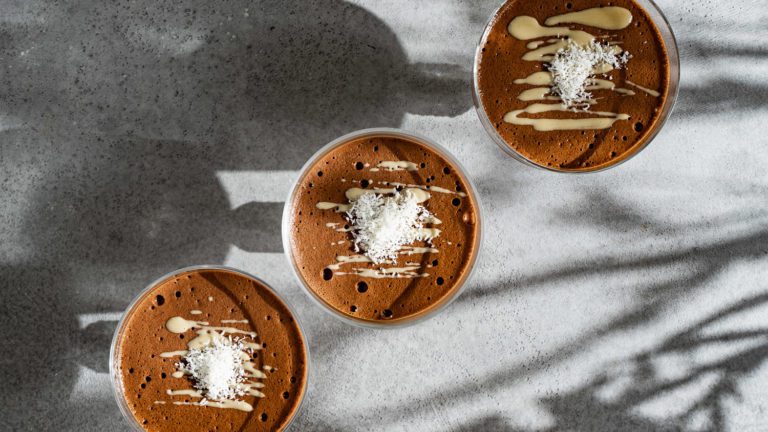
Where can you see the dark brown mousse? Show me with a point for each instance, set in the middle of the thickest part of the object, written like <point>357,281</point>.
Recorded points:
<point>500,63</point>
<point>314,245</point>
<point>219,295</point>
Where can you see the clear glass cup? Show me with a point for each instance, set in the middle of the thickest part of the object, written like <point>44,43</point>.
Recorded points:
<point>114,359</point>
<point>287,224</point>
<point>665,30</point>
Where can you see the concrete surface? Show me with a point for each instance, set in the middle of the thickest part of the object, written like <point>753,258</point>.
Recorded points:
<point>141,136</point>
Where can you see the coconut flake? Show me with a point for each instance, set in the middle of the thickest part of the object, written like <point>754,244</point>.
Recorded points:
<point>574,66</point>
<point>217,369</point>
<point>382,224</point>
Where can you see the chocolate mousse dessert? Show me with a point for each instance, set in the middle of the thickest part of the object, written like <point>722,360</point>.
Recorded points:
<point>382,227</point>
<point>210,349</point>
<point>575,85</point>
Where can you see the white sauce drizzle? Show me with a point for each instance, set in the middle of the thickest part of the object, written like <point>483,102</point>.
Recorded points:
<point>170,354</point>
<point>184,392</point>
<point>645,89</point>
<point>387,273</point>
<point>527,28</point>
<point>343,259</point>
<point>562,124</point>
<point>206,335</point>
<point>411,250</point>
<point>422,192</point>
<point>536,78</point>
<point>396,166</point>
<point>437,189</point>
<point>226,404</point>
<point>340,208</point>
<point>606,18</point>
<point>355,193</point>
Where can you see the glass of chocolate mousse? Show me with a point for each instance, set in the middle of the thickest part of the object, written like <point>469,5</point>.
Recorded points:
<point>575,85</point>
<point>382,228</point>
<point>209,348</point>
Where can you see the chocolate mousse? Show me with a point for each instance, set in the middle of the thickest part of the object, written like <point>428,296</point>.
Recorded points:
<point>532,58</point>
<point>382,228</point>
<point>210,349</point>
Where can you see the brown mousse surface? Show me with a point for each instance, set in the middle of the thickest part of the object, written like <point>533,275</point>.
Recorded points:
<point>314,245</point>
<point>501,63</point>
<point>146,376</point>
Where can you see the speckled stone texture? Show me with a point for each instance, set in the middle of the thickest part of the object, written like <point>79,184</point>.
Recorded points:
<point>142,136</point>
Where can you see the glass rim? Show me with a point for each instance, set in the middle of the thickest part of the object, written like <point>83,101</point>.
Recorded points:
<point>288,217</point>
<point>669,40</point>
<point>116,379</point>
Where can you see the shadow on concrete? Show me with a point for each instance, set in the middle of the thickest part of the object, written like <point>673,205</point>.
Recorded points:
<point>728,92</point>
<point>607,213</point>
<point>124,114</point>
<point>489,423</point>
<point>720,96</point>
<point>582,409</point>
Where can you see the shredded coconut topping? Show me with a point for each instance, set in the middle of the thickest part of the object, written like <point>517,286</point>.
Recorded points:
<point>382,224</point>
<point>574,66</point>
<point>217,369</point>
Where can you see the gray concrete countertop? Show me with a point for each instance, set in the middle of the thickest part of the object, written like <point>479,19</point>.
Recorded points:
<point>141,136</point>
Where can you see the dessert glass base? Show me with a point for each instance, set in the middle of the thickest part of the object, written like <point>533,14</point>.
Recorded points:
<point>358,291</point>
<point>661,114</point>
<point>236,287</point>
